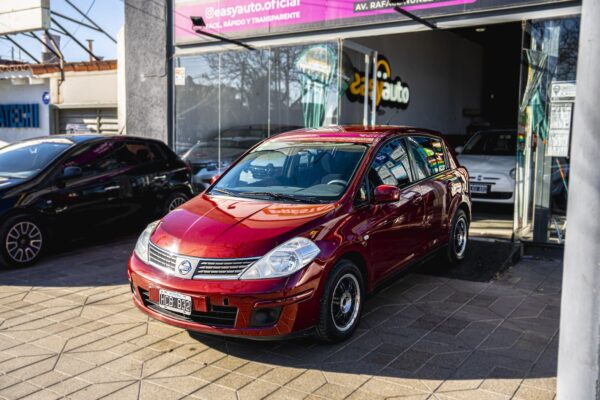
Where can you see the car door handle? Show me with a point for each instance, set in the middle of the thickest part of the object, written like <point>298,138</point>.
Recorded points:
<point>111,188</point>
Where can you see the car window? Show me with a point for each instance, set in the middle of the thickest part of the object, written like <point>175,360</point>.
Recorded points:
<point>106,156</point>
<point>24,160</point>
<point>135,153</point>
<point>492,143</point>
<point>428,155</point>
<point>362,196</point>
<point>302,171</point>
<point>391,165</point>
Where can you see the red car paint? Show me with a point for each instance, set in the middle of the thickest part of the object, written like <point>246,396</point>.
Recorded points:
<point>381,238</point>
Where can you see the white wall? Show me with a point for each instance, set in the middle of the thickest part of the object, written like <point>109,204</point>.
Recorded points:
<point>25,94</point>
<point>444,73</point>
<point>86,89</point>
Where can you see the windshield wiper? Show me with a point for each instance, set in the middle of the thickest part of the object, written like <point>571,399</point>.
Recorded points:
<point>281,196</point>
<point>223,191</point>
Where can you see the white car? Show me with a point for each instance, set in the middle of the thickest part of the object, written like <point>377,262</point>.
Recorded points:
<point>490,158</point>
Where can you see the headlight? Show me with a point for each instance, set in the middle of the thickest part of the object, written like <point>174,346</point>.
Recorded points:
<point>284,260</point>
<point>141,247</point>
<point>513,173</point>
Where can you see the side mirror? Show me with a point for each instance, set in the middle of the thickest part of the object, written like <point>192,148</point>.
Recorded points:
<point>459,149</point>
<point>71,172</point>
<point>386,194</point>
<point>214,179</point>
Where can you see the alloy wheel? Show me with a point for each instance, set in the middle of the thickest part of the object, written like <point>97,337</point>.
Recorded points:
<point>460,237</point>
<point>24,242</point>
<point>176,202</point>
<point>346,302</point>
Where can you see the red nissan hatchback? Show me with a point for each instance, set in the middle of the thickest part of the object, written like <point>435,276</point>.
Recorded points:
<point>300,229</point>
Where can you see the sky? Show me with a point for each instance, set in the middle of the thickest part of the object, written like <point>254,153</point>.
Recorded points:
<point>108,14</point>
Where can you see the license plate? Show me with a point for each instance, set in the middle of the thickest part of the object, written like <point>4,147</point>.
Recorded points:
<point>475,188</point>
<point>173,301</point>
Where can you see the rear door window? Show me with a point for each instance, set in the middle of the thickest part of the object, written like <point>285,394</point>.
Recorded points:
<point>428,155</point>
<point>391,165</point>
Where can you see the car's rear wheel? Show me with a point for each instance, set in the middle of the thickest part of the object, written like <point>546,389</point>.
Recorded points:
<point>341,303</point>
<point>23,241</point>
<point>459,237</point>
<point>175,200</point>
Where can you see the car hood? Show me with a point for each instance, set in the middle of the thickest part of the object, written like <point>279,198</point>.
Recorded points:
<point>482,164</point>
<point>226,227</point>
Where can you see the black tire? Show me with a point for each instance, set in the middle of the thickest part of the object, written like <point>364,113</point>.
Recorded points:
<point>344,275</point>
<point>23,241</point>
<point>458,238</point>
<point>173,201</point>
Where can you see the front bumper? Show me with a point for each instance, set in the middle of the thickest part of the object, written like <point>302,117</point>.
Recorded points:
<point>501,188</point>
<point>230,307</point>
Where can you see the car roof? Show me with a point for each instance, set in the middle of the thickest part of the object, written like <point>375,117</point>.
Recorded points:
<point>351,133</point>
<point>77,138</point>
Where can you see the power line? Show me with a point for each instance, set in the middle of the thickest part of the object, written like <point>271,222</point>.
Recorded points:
<point>79,26</point>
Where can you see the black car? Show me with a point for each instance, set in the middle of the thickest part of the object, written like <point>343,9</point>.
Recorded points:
<point>57,187</point>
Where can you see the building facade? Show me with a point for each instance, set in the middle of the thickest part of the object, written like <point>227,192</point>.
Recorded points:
<point>472,65</point>
<point>39,100</point>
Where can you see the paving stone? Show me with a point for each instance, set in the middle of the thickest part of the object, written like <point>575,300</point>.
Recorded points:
<point>98,390</point>
<point>380,387</point>
<point>333,391</point>
<point>533,393</point>
<point>18,390</point>
<point>214,391</point>
<point>286,394</point>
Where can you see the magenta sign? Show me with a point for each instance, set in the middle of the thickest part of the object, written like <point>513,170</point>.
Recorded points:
<point>258,17</point>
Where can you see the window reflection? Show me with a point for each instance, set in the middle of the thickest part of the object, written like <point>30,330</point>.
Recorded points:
<point>232,100</point>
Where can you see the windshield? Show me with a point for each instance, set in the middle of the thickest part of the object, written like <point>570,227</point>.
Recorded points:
<point>25,159</point>
<point>292,171</point>
<point>492,143</point>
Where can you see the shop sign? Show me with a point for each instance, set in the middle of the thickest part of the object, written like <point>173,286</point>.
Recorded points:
<point>562,91</point>
<point>19,115</point>
<point>562,99</point>
<point>390,91</point>
<point>247,18</point>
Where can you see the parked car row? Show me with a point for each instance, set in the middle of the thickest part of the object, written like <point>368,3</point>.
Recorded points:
<point>289,240</point>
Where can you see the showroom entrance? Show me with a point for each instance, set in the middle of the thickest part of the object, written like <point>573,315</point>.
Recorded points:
<point>490,79</point>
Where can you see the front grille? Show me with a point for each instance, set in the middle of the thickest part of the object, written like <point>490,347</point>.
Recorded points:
<point>161,258</point>
<point>216,316</point>
<point>222,267</point>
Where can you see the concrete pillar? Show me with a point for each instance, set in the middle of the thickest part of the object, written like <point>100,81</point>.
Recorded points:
<point>579,343</point>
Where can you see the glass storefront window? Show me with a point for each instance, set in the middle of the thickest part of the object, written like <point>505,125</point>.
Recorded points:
<point>548,93</point>
<point>232,100</point>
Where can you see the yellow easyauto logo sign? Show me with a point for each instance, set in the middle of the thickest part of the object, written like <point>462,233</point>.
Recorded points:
<point>390,92</point>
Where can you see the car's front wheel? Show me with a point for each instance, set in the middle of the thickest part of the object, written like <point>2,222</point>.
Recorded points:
<point>23,241</point>
<point>341,304</point>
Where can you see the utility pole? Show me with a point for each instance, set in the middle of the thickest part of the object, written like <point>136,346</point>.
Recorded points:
<point>579,343</point>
